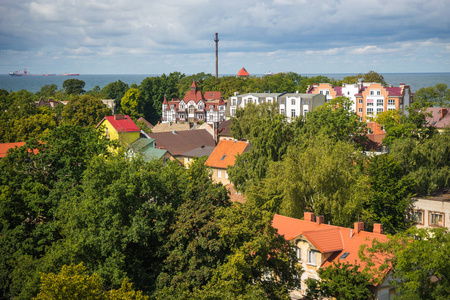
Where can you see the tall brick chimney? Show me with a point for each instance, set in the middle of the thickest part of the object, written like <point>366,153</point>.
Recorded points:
<point>308,216</point>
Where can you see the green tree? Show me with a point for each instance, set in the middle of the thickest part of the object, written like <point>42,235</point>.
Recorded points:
<point>341,281</point>
<point>260,261</point>
<point>131,103</point>
<point>115,90</point>
<point>427,162</point>
<point>326,178</point>
<point>371,76</point>
<point>73,86</point>
<point>85,110</point>
<point>391,191</point>
<point>335,120</point>
<point>439,95</point>
<point>48,90</point>
<point>417,259</point>
<point>73,282</point>
<point>269,134</point>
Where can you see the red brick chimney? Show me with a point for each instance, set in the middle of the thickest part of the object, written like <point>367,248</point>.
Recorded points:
<point>119,117</point>
<point>320,219</point>
<point>358,226</point>
<point>308,216</point>
<point>378,228</point>
<point>444,111</point>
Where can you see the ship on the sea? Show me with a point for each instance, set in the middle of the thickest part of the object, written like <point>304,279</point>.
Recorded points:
<point>19,73</point>
<point>25,73</point>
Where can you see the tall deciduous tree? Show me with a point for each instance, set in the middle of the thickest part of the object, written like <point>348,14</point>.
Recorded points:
<point>439,95</point>
<point>85,110</point>
<point>326,177</point>
<point>341,281</point>
<point>131,103</point>
<point>74,86</point>
<point>391,191</point>
<point>418,262</point>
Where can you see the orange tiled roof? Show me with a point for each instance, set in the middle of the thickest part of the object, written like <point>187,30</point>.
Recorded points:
<point>4,147</point>
<point>225,153</point>
<point>328,238</point>
<point>243,72</point>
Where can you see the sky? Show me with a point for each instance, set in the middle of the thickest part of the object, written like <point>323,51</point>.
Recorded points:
<point>155,37</point>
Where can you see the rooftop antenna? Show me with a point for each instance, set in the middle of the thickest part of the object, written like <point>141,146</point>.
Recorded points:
<point>217,54</point>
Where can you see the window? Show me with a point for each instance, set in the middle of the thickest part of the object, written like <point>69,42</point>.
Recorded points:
<point>372,93</point>
<point>379,110</point>
<point>369,102</point>
<point>417,216</point>
<point>233,101</point>
<point>305,111</point>
<point>292,113</point>
<point>391,102</point>
<point>293,101</point>
<point>436,219</point>
<point>282,111</point>
<point>360,119</point>
<point>223,157</point>
<point>219,173</point>
<point>380,102</point>
<point>378,92</point>
<point>328,92</point>
<point>360,110</point>
<point>391,108</point>
<point>226,175</point>
<point>369,111</point>
<point>233,112</point>
<point>311,257</point>
<point>298,253</point>
<point>360,101</point>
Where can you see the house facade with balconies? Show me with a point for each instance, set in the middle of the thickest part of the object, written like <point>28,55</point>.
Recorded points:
<point>195,107</point>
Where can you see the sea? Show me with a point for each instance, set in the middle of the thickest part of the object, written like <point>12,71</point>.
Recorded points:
<point>34,83</point>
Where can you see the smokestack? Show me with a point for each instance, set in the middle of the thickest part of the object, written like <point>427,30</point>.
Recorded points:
<point>217,54</point>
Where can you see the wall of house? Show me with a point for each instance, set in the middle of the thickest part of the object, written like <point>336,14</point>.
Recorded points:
<point>310,270</point>
<point>220,175</point>
<point>427,207</point>
<point>126,138</point>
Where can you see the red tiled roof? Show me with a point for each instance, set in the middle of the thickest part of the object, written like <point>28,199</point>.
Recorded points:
<point>394,91</point>
<point>121,123</point>
<point>193,95</point>
<point>328,238</point>
<point>224,154</point>
<point>213,95</point>
<point>4,147</point>
<point>243,72</point>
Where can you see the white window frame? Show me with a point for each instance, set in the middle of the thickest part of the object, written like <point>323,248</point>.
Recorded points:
<point>219,173</point>
<point>369,110</point>
<point>293,113</point>
<point>312,257</point>
<point>298,253</point>
<point>432,215</point>
<point>380,102</point>
<point>391,101</point>
<point>292,101</point>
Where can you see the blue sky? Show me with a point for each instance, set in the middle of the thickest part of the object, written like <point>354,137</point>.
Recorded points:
<point>154,37</point>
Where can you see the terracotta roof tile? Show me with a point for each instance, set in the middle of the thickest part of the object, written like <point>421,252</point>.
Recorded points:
<point>4,147</point>
<point>225,153</point>
<point>243,72</point>
<point>328,238</point>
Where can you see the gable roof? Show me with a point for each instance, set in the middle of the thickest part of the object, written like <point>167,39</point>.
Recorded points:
<point>141,144</point>
<point>149,125</point>
<point>199,152</point>
<point>225,153</point>
<point>328,238</point>
<point>121,123</point>
<point>167,127</point>
<point>243,72</point>
<point>153,153</point>
<point>440,117</point>
<point>180,142</point>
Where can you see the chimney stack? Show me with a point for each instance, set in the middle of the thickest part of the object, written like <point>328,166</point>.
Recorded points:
<point>378,228</point>
<point>308,216</point>
<point>444,111</point>
<point>358,226</point>
<point>320,220</point>
<point>216,40</point>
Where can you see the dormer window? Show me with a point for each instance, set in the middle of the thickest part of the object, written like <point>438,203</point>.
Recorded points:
<point>107,133</point>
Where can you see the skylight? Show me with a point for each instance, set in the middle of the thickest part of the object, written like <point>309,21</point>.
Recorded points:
<point>343,256</point>
<point>223,157</point>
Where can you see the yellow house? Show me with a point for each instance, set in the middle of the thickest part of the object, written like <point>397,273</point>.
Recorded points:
<point>121,128</point>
